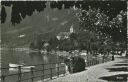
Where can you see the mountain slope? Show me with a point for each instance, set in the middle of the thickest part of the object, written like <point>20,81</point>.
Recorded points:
<point>50,21</point>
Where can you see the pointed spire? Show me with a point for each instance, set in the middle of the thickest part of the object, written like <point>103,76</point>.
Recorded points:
<point>71,29</point>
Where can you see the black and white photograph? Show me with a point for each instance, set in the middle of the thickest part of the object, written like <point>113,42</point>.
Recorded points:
<point>64,41</point>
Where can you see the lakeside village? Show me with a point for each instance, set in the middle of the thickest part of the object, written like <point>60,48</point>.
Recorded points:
<point>69,53</point>
<point>97,36</point>
<point>42,40</point>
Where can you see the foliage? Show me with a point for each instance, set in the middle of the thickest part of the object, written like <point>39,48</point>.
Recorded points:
<point>3,14</point>
<point>25,8</point>
<point>53,43</point>
<point>21,9</point>
<point>92,19</point>
<point>100,30</point>
<point>86,40</point>
<point>75,64</point>
<point>118,27</point>
<point>66,45</point>
<point>78,64</point>
<point>107,32</point>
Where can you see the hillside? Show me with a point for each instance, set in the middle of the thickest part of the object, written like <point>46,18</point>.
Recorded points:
<point>48,23</point>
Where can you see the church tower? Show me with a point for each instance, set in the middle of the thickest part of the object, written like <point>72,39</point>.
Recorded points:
<point>71,29</point>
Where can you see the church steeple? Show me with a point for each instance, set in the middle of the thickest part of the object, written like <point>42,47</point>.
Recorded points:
<point>71,29</point>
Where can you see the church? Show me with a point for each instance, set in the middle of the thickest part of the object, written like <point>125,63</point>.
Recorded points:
<point>65,35</point>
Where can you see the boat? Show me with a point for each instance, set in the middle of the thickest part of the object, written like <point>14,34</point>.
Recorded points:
<point>14,68</point>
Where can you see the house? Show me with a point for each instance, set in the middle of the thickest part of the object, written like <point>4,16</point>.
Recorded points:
<point>65,35</point>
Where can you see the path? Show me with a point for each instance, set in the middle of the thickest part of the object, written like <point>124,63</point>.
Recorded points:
<point>113,71</point>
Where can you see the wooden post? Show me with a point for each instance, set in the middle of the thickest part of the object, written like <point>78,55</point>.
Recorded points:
<point>51,73</point>
<point>91,63</point>
<point>19,73</point>
<point>3,78</point>
<point>64,70</point>
<point>103,59</point>
<point>88,63</point>
<point>95,62</point>
<point>58,70</point>
<point>32,74</point>
<point>99,61</point>
<point>42,77</point>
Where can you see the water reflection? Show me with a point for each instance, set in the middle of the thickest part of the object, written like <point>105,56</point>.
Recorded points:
<point>36,58</point>
<point>27,58</point>
<point>12,56</point>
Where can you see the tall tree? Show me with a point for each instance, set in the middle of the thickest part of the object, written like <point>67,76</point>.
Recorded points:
<point>109,32</point>
<point>3,14</point>
<point>53,43</point>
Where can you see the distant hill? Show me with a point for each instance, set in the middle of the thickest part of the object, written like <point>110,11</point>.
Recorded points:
<point>48,23</point>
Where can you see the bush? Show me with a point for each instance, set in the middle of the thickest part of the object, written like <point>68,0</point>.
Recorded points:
<point>78,64</point>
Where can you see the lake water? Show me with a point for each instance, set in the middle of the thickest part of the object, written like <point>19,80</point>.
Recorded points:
<point>28,58</point>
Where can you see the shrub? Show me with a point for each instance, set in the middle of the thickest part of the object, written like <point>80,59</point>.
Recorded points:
<point>78,64</point>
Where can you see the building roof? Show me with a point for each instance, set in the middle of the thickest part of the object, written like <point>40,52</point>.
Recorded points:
<point>64,34</point>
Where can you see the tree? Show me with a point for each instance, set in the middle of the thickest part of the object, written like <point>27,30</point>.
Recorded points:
<point>53,43</point>
<point>119,31</point>
<point>118,27</point>
<point>3,14</point>
<point>109,32</point>
<point>24,8</point>
<point>87,41</point>
<point>92,19</point>
<point>20,9</point>
<point>74,40</point>
<point>66,45</point>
